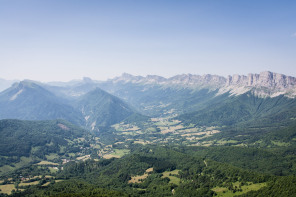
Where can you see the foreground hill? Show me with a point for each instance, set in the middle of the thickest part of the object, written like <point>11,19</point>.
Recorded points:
<point>29,101</point>
<point>168,171</point>
<point>30,141</point>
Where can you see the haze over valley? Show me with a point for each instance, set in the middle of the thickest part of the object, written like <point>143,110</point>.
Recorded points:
<point>147,98</point>
<point>52,129</point>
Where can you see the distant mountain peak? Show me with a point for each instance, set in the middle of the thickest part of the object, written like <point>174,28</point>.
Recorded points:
<point>87,80</point>
<point>125,77</point>
<point>29,85</point>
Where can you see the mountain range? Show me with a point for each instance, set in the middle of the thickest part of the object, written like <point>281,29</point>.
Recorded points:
<point>188,135</point>
<point>273,83</point>
<point>155,96</point>
<point>28,100</point>
<point>93,104</point>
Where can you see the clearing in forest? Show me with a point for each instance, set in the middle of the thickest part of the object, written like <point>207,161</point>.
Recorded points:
<point>172,176</point>
<point>47,163</point>
<point>116,154</point>
<point>6,189</point>
<point>140,178</point>
<point>225,192</point>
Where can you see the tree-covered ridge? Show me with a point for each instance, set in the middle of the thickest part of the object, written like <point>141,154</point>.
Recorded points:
<point>71,188</point>
<point>18,137</point>
<point>281,186</point>
<point>244,109</point>
<point>187,175</point>
<point>102,109</point>
<point>27,142</point>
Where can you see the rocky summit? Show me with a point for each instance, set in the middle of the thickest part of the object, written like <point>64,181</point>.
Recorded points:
<point>264,84</point>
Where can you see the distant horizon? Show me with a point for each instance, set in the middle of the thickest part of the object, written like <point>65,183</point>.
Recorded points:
<point>95,79</point>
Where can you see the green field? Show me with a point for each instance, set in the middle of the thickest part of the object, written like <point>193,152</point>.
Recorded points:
<point>117,153</point>
<point>172,176</point>
<point>47,163</point>
<point>278,143</point>
<point>30,183</point>
<point>6,189</point>
<point>9,168</point>
<point>225,192</point>
<point>52,156</point>
<point>223,142</point>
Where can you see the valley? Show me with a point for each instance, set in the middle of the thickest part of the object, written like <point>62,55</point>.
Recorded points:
<point>164,131</point>
<point>149,136</point>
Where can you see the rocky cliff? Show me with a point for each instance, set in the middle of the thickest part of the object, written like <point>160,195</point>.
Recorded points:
<point>184,80</point>
<point>264,84</point>
<point>264,79</point>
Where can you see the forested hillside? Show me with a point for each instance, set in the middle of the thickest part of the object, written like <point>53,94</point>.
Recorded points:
<point>187,135</point>
<point>163,171</point>
<point>244,108</point>
<point>28,142</point>
<point>102,109</point>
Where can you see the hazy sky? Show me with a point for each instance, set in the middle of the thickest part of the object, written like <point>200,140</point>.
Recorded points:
<point>52,40</point>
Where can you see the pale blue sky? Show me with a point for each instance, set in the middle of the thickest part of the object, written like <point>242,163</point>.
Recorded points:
<point>51,40</point>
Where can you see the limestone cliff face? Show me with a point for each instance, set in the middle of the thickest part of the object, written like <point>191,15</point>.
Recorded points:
<point>237,80</point>
<point>264,84</point>
<point>184,80</point>
<point>274,80</point>
<point>264,79</point>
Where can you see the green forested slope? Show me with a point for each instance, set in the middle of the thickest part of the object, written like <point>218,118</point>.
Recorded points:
<point>244,108</point>
<point>191,175</point>
<point>103,109</point>
<point>36,139</point>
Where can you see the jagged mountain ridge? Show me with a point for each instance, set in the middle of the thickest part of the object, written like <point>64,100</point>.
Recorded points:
<point>154,95</point>
<point>186,80</point>
<point>273,83</point>
<point>265,79</point>
<point>276,82</point>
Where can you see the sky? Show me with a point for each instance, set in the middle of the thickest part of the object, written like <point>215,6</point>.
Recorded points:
<point>60,40</point>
